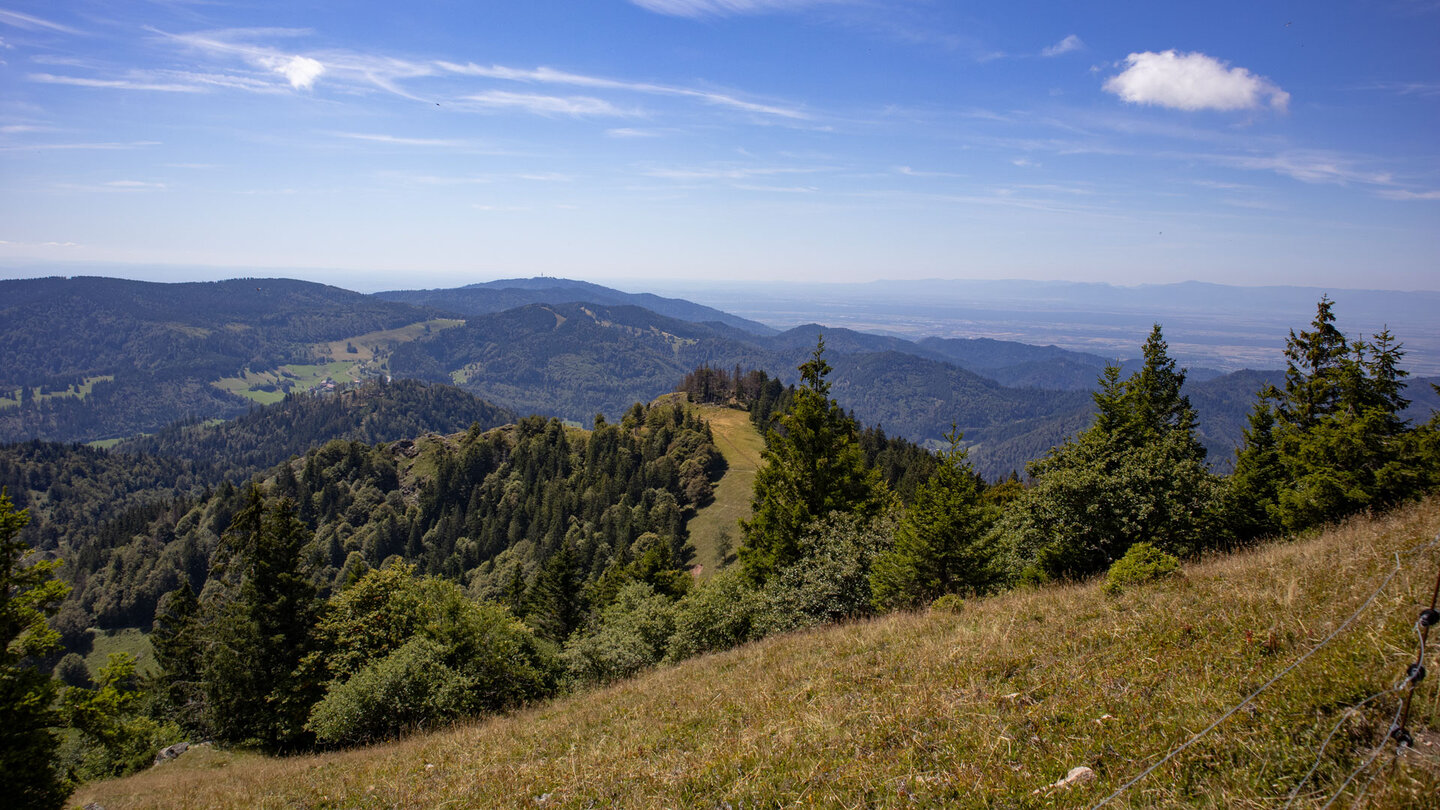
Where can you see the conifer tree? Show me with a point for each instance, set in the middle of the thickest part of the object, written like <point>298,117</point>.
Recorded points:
<point>813,465</point>
<point>175,637</point>
<point>28,594</point>
<point>261,628</point>
<point>942,544</point>
<point>1137,474</point>
<point>1339,434</point>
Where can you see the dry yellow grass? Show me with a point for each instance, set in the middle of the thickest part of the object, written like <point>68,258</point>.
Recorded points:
<point>980,709</point>
<point>741,446</point>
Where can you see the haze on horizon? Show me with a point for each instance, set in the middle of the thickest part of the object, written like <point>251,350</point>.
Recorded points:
<point>738,140</point>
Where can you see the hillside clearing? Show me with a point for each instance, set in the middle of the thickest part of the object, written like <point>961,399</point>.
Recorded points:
<point>984,708</point>
<point>715,528</point>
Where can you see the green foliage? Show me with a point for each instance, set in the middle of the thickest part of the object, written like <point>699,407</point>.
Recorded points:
<point>28,593</point>
<point>1142,563</point>
<point>1334,441</point>
<point>261,616</point>
<point>633,633</point>
<point>813,465</point>
<point>116,735</point>
<point>715,616</point>
<point>943,543</point>
<point>72,671</point>
<point>832,581</point>
<point>407,653</point>
<point>1137,474</point>
<point>951,603</point>
<point>411,688</point>
<point>176,637</point>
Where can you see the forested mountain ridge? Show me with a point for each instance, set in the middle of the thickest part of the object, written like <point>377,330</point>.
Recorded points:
<point>90,358</point>
<point>497,296</point>
<point>74,489</point>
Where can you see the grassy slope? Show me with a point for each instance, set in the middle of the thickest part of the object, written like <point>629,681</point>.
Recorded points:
<point>333,361</point>
<point>928,710</point>
<point>741,445</point>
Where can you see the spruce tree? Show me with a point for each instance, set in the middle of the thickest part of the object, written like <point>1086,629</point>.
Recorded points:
<point>1339,434</point>
<point>260,628</point>
<point>812,465</point>
<point>942,544</point>
<point>1137,474</point>
<point>29,593</point>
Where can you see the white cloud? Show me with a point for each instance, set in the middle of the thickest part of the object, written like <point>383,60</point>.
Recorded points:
<point>39,147</point>
<point>1402,194</point>
<point>724,8</point>
<point>546,105</point>
<point>399,140</point>
<point>1066,45</point>
<point>1310,166</point>
<point>627,132</point>
<point>30,23</point>
<point>112,84</point>
<point>1193,81</point>
<point>544,75</point>
<point>134,185</point>
<point>722,173</point>
<point>300,71</point>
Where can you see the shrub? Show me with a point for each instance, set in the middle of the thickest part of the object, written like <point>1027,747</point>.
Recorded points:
<point>718,615</point>
<point>408,689</point>
<point>633,633</point>
<point>1142,563</point>
<point>949,603</point>
<point>832,583</point>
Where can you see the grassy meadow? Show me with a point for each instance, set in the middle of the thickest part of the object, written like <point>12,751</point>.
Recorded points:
<point>716,525</point>
<point>981,708</point>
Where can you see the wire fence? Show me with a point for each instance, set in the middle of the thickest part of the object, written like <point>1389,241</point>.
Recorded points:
<point>1397,732</point>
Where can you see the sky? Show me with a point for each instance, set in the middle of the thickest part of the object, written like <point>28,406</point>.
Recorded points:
<point>380,145</point>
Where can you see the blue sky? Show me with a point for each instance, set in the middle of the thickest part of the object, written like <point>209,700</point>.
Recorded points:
<point>383,145</point>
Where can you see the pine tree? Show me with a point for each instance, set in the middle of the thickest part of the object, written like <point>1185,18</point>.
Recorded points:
<point>260,628</point>
<point>942,544</point>
<point>1137,474</point>
<point>1339,434</point>
<point>28,593</point>
<point>813,465</point>
<point>175,637</point>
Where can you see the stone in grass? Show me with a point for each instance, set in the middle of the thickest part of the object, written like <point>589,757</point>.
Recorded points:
<point>1142,563</point>
<point>1078,775</point>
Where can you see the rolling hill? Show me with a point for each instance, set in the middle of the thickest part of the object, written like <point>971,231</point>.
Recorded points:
<point>989,707</point>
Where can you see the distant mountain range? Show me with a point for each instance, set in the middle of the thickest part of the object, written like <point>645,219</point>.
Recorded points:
<point>497,296</point>
<point>100,358</point>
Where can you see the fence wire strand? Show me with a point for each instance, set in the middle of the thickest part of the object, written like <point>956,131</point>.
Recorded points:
<point>1395,723</point>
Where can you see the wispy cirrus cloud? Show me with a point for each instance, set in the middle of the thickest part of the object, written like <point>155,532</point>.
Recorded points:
<point>45,147</point>
<point>400,140</point>
<point>725,173</point>
<point>113,84</point>
<point>1064,46</point>
<point>1406,194</point>
<point>545,75</point>
<point>30,23</point>
<point>726,8</point>
<point>1193,81</point>
<point>575,106</point>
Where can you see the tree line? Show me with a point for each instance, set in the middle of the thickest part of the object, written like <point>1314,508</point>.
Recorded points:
<point>430,580</point>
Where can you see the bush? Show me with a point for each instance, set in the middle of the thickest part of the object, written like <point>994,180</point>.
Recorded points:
<point>1142,563</point>
<point>951,603</point>
<point>408,689</point>
<point>832,583</point>
<point>718,615</point>
<point>633,633</point>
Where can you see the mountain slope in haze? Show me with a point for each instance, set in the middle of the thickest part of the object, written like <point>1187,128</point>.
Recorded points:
<point>985,708</point>
<point>572,360</point>
<point>372,413</point>
<point>99,357</point>
<point>497,296</point>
